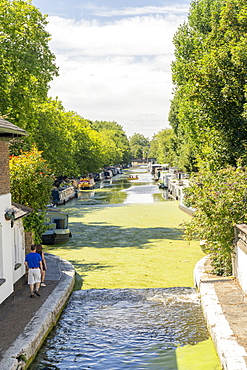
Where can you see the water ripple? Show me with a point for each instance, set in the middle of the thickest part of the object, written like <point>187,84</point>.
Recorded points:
<point>124,329</point>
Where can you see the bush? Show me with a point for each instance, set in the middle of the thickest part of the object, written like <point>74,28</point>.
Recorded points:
<point>220,200</point>
<point>31,186</point>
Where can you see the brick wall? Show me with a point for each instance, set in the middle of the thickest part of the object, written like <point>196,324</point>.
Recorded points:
<point>28,241</point>
<point>4,168</point>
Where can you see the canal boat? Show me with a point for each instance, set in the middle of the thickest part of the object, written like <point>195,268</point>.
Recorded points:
<point>163,186</point>
<point>61,195</point>
<point>57,227</point>
<point>133,177</point>
<point>98,176</point>
<point>108,174</point>
<point>114,170</point>
<point>86,183</point>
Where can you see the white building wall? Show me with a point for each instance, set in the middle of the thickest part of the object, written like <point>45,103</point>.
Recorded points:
<point>6,242</point>
<point>18,248</point>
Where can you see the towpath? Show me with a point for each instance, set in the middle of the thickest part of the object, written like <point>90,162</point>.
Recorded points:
<point>24,322</point>
<point>225,309</point>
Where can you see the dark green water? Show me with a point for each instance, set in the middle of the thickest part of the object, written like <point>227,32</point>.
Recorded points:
<point>119,190</point>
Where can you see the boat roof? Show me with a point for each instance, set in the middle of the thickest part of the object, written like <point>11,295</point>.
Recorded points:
<point>55,210</point>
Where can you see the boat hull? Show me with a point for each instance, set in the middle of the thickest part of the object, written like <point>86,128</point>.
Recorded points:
<point>57,227</point>
<point>163,186</point>
<point>86,187</point>
<point>52,237</point>
<point>62,196</point>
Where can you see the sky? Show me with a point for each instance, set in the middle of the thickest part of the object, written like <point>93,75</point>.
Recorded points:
<point>114,59</point>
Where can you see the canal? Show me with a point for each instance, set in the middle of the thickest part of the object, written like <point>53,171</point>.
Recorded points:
<point>137,308</point>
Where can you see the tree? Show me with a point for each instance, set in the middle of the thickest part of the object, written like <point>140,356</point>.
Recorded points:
<point>26,62</point>
<point>210,73</point>
<point>89,154</point>
<point>139,146</point>
<point>55,137</point>
<point>161,147</point>
<point>69,144</point>
<point>183,148</point>
<point>116,140</point>
<point>72,145</point>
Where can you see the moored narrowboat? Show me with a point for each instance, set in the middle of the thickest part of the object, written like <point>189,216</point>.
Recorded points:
<point>86,183</point>
<point>108,174</point>
<point>58,229</point>
<point>98,176</point>
<point>63,194</point>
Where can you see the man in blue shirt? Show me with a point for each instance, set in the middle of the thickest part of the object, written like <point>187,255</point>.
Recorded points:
<point>33,262</point>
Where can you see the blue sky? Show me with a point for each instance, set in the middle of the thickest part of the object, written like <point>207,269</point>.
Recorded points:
<point>114,58</point>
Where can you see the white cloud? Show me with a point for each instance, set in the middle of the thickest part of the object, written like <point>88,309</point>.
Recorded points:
<point>130,11</point>
<point>131,36</point>
<point>117,71</point>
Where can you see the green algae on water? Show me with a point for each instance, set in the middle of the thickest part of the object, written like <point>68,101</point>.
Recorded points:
<point>131,246</point>
<point>136,246</point>
<point>200,356</point>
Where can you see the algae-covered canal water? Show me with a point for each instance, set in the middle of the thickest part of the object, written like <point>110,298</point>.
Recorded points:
<point>137,308</point>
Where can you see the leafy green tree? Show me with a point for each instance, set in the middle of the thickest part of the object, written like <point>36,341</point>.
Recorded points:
<point>161,146</point>
<point>183,148</point>
<point>26,62</point>
<point>88,152</point>
<point>220,202</point>
<point>210,76</point>
<point>55,137</point>
<point>139,146</point>
<point>72,145</point>
<point>111,152</point>
<point>31,186</point>
<point>69,144</point>
<point>113,134</point>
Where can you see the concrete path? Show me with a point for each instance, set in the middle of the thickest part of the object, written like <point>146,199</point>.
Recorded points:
<point>25,322</point>
<point>225,310</point>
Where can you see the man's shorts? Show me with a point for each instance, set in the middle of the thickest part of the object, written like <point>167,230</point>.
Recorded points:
<point>34,276</point>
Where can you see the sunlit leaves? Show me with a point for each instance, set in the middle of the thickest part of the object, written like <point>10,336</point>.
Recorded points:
<point>139,145</point>
<point>220,200</point>
<point>30,179</point>
<point>116,140</point>
<point>210,74</point>
<point>26,62</point>
<point>161,147</point>
<point>73,145</point>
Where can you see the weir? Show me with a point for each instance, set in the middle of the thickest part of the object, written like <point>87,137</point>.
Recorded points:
<point>126,329</point>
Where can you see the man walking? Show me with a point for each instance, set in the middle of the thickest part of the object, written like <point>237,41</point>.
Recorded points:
<point>34,263</point>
